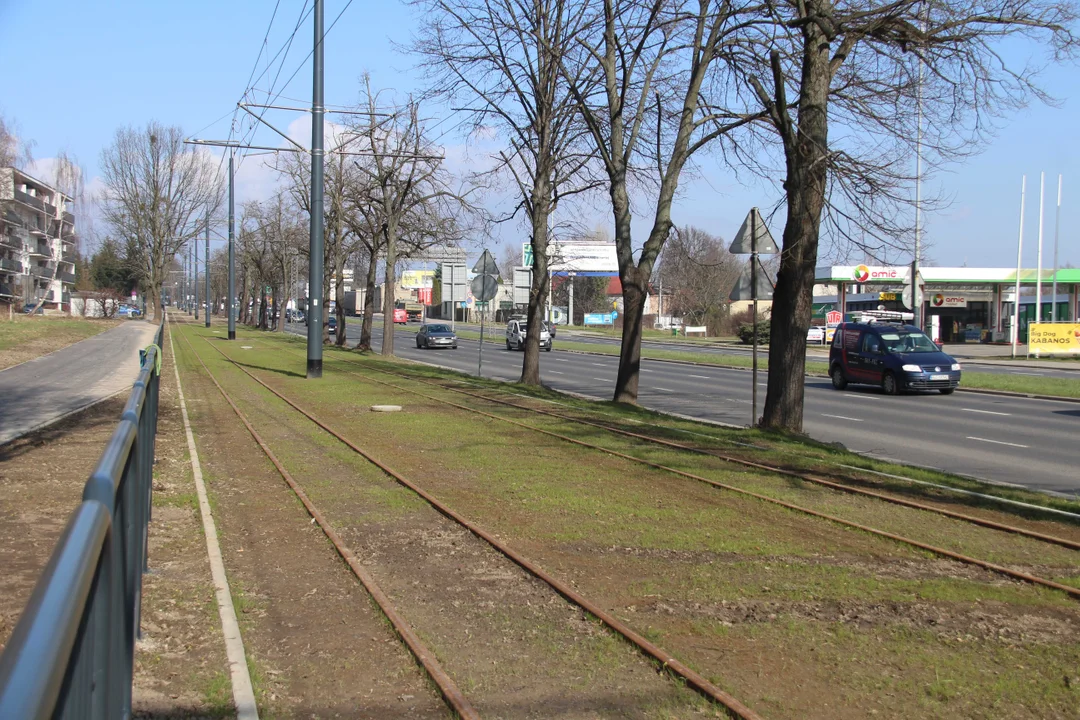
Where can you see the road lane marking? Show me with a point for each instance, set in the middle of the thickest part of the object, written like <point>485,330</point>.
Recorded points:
<point>997,442</point>
<point>985,412</point>
<point>738,400</point>
<point>1017,372</point>
<point>603,365</point>
<point>601,379</point>
<point>700,377</point>
<point>559,359</point>
<point>663,389</point>
<point>647,370</point>
<point>842,417</point>
<point>553,372</point>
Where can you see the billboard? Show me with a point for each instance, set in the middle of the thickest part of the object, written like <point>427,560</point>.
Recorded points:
<point>1054,338</point>
<point>583,257</point>
<point>417,279</point>
<point>600,318</point>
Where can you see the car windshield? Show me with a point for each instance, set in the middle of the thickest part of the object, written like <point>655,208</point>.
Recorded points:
<point>908,342</point>
<point>438,328</point>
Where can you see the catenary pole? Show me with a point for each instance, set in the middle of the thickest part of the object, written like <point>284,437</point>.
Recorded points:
<point>232,255</point>
<point>1019,258</point>
<point>315,254</point>
<point>1057,228</point>
<point>206,269</point>
<point>195,277</point>
<point>753,296</point>
<point>916,305</point>
<point>1038,268</point>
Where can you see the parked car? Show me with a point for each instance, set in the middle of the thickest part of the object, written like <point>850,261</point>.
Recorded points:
<point>128,311</point>
<point>892,355</point>
<point>815,335</point>
<point>516,330</point>
<point>436,335</point>
<point>29,308</point>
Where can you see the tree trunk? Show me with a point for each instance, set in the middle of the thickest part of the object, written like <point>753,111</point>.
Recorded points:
<point>388,292</point>
<point>369,300</point>
<point>805,187</point>
<point>530,364</point>
<point>635,290</point>
<point>339,298</point>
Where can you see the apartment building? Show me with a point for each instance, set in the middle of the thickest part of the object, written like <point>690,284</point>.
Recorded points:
<point>37,242</point>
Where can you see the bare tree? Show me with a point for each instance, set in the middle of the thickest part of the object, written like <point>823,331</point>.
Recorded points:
<point>14,150</point>
<point>857,67</point>
<point>407,189</point>
<point>157,193</point>
<point>499,61</point>
<point>652,99</point>
<point>698,272</point>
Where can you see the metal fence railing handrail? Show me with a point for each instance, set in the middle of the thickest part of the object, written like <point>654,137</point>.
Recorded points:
<point>72,652</point>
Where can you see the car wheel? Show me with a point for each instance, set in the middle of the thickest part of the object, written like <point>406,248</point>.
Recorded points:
<point>946,391</point>
<point>453,347</point>
<point>417,343</point>
<point>508,347</point>
<point>889,385</point>
<point>547,349</point>
<point>838,380</point>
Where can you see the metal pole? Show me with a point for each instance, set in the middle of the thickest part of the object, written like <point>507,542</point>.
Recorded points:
<point>315,254</point>
<point>1019,257</point>
<point>1038,270</point>
<point>480,361</point>
<point>232,257</point>
<point>753,296</point>
<point>195,277</point>
<point>1057,227</point>
<point>916,306</point>
<point>190,282</point>
<point>206,268</point>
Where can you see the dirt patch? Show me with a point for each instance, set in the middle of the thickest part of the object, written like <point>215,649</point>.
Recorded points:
<point>42,476</point>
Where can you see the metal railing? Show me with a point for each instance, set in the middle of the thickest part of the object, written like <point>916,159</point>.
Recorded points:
<point>72,652</point>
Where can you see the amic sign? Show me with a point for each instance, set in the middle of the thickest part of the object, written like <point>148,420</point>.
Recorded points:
<point>948,300</point>
<point>872,273</point>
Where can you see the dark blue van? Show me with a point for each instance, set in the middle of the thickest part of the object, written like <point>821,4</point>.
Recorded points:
<point>891,355</point>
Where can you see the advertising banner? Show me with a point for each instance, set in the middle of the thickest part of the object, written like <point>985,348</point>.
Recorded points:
<point>949,300</point>
<point>1054,338</point>
<point>583,257</point>
<point>599,319</point>
<point>416,279</point>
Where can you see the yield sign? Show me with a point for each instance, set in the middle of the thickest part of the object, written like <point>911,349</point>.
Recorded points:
<point>763,289</point>
<point>753,237</point>
<point>486,265</point>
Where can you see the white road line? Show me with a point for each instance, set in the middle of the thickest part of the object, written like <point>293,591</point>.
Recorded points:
<point>1017,372</point>
<point>738,400</point>
<point>663,389</point>
<point>985,412</point>
<point>243,693</point>
<point>601,379</point>
<point>603,365</point>
<point>997,442</point>
<point>700,377</point>
<point>647,370</point>
<point>559,359</point>
<point>553,372</point>
<point>842,417</point>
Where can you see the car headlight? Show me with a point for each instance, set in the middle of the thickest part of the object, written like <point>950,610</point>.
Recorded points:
<point>956,366</point>
<point>911,368</point>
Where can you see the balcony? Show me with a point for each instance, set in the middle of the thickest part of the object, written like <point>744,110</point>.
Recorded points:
<point>6,291</point>
<point>69,218</point>
<point>27,199</point>
<point>69,258</point>
<point>50,209</point>
<point>66,277</point>
<point>45,272</point>
<point>11,265</point>
<point>10,241</point>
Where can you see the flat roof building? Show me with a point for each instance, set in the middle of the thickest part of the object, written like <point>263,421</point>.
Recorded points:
<point>37,242</point>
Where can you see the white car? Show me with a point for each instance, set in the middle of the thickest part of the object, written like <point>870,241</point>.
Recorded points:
<point>815,335</point>
<point>516,330</point>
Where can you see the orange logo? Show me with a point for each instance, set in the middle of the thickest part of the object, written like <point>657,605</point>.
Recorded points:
<point>861,274</point>
<point>939,300</point>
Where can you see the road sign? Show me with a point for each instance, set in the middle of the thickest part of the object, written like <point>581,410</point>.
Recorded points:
<point>486,265</point>
<point>741,291</point>
<point>753,236</point>
<point>484,287</point>
<point>527,254</point>
<point>469,301</point>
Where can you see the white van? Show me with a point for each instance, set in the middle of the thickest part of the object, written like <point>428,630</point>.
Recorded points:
<point>515,335</point>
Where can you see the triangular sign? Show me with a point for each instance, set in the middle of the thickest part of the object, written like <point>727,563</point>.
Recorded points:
<point>486,265</point>
<point>741,291</point>
<point>753,232</point>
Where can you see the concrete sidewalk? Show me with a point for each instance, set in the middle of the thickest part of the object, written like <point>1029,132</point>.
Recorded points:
<point>43,390</point>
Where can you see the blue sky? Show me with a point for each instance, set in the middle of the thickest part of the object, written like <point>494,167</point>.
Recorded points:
<point>75,71</point>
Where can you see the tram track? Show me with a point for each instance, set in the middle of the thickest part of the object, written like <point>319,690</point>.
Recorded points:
<point>1072,592</point>
<point>449,690</point>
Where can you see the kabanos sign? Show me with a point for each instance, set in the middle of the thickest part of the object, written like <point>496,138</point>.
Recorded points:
<point>866,273</point>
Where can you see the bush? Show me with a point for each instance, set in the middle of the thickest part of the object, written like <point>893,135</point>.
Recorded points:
<point>745,331</point>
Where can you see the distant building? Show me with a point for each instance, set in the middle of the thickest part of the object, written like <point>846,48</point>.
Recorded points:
<point>37,242</point>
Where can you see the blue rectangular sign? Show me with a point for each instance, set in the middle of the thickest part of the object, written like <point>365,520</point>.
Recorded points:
<point>599,319</point>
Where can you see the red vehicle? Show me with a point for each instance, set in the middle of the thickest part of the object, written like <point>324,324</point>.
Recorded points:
<point>400,316</point>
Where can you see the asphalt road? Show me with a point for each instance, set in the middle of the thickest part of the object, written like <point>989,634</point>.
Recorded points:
<point>1002,439</point>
